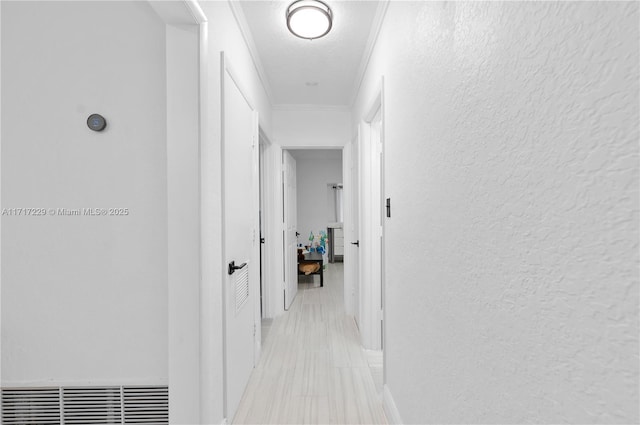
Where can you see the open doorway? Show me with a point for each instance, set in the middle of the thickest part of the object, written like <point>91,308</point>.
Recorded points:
<point>319,215</point>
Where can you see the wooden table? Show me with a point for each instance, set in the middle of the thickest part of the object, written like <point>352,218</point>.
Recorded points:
<point>313,257</point>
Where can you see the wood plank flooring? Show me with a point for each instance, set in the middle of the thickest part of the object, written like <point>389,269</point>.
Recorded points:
<point>313,369</point>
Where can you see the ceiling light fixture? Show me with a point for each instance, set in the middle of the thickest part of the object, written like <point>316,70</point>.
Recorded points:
<point>309,19</point>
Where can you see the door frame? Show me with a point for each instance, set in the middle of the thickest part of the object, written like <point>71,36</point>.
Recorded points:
<point>371,295</point>
<point>227,70</point>
<point>276,287</point>
<point>351,192</point>
<point>285,228</point>
<point>273,306</point>
<point>263,144</point>
<point>272,228</point>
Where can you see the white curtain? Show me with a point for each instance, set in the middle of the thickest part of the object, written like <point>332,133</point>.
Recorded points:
<point>339,209</point>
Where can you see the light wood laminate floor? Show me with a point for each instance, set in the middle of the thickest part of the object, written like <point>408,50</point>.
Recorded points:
<point>313,369</point>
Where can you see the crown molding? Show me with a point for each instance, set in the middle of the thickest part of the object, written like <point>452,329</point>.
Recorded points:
<point>310,107</point>
<point>247,36</point>
<point>196,11</point>
<point>381,12</point>
<point>185,12</point>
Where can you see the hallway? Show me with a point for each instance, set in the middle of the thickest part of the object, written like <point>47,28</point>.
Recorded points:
<point>312,368</point>
<point>486,162</point>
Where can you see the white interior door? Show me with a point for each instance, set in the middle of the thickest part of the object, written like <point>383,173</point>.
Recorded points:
<point>290,228</point>
<point>240,228</point>
<point>375,229</point>
<point>370,220</point>
<point>354,242</point>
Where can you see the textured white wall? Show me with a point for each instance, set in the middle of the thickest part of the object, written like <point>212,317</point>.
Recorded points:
<point>84,299</point>
<point>313,175</point>
<point>512,252</point>
<point>308,127</point>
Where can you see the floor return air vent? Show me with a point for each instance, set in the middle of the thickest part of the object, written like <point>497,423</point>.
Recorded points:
<point>86,405</point>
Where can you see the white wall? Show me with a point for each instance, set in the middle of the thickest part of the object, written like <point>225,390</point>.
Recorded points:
<point>511,137</point>
<point>312,127</point>
<point>183,218</point>
<point>313,175</point>
<point>1,379</point>
<point>84,299</point>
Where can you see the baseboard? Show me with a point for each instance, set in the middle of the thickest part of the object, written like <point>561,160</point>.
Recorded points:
<point>390,408</point>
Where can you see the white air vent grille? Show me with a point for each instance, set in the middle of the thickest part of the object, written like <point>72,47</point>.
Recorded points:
<point>93,405</point>
<point>86,405</point>
<point>31,406</point>
<point>242,287</point>
<point>146,405</point>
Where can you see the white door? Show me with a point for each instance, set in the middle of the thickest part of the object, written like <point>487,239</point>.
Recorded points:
<point>354,242</point>
<point>240,235</point>
<point>376,209</point>
<point>370,220</point>
<point>290,229</point>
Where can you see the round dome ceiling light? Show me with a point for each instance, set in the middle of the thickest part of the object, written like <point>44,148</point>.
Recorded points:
<point>309,19</point>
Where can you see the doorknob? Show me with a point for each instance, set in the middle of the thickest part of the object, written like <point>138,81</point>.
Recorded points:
<point>356,243</point>
<point>233,267</point>
<point>297,234</point>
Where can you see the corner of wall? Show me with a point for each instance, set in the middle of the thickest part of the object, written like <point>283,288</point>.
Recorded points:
<point>0,183</point>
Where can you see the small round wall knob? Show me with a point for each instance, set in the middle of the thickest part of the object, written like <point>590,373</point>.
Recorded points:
<point>96,122</point>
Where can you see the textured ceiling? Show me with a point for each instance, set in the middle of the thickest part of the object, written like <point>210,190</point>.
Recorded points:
<point>310,72</point>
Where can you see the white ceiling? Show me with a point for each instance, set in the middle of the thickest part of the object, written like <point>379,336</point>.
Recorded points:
<point>289,62</point>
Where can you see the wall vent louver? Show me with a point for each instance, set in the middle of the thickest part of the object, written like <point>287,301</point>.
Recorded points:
<point>31,406</point>
<point>96,405</point>
<point>146,405</point>
<point>86,405</point>
<point>242,288</point>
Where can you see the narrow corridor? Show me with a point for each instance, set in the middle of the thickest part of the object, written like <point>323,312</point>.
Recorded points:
<point>313,368</point>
